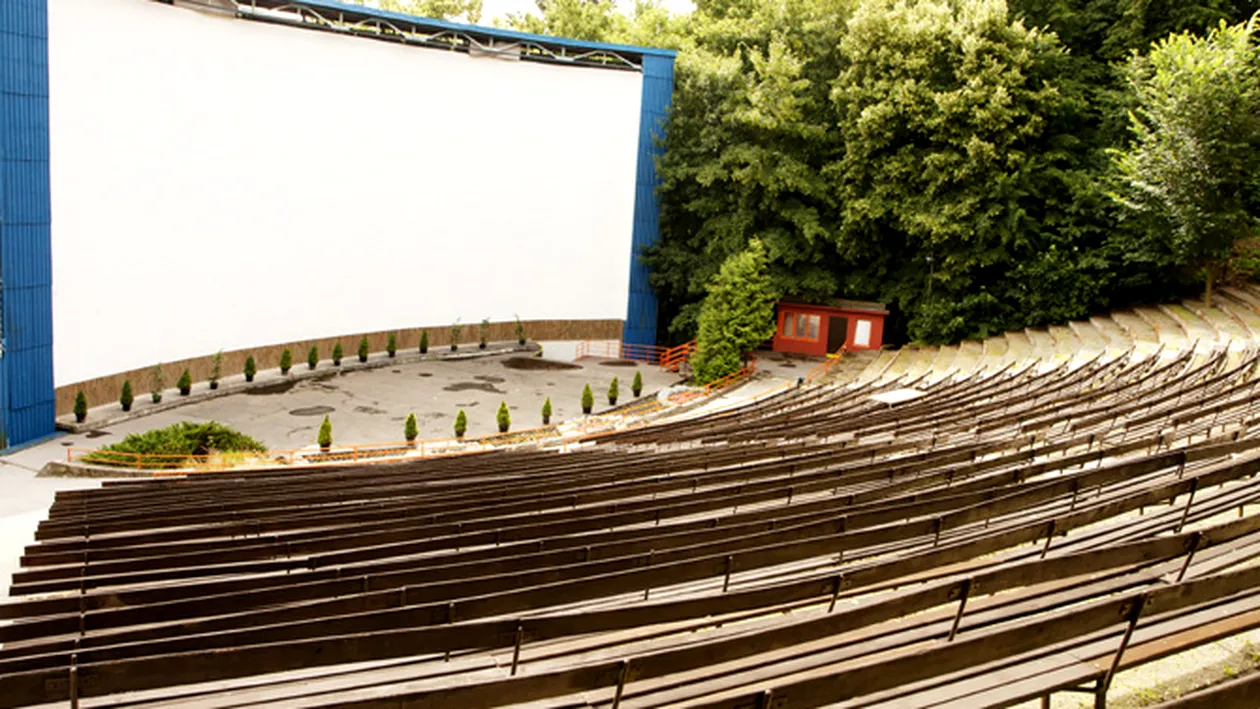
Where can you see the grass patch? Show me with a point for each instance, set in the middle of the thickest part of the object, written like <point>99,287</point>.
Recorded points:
<point>175,446</point>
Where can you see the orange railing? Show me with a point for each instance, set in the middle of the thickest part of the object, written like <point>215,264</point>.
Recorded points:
<point>675,357</point>
<point>749,367</point>
<point>611,349</point>
<point>824,368</point>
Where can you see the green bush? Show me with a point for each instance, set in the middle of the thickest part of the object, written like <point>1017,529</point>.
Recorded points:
<point>613,392</point>
<point>455,330</point>
<point>461,424</point>
<point>216,369</point>
<point>588,399</point>
<point>637,385</point>
<point>503,417</point>
<point>181,441</point>
<point>424,342</point>
<point>159,383</point>
<point>286,361</point>
<point>520,330</point>
<point>337,354</point>
<point>409,428</point>
<point>363,349</point>
<point>127,397</point>
<point>391,347</point>
<point>483,333</point>
<point>80,406</point>
<point>312,357</point>
<point>546,411</point>
<point>736,315</point>
<point>325,434</point>
<point>184,383</point>
<point>251,368</point>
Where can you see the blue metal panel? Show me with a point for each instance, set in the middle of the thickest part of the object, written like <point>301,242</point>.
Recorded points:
<point>27,403</point>
<point>658,92</point>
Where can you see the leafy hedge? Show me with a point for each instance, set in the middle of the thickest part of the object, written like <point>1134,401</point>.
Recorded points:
<point>181,440</point>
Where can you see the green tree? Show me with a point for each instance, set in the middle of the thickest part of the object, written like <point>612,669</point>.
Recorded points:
<point>216,369</point>
<point>286,361</point>
<point>737,315</point>
<point>588,399</point>
<point>613,392</point>
<point>391,345</point>
<point>461,424</point>
<point>503,417</point>
<point>251,368</point>
<point>325,434</point>
<point>546,411</point>
<point>126,398</point>
<point>312,356</point>
<point>458,10</point>
<point>636,386</point>
<point>363,349</point>
<point>410,431</point>
<point>159,383</point>
<point>80,406</point>
<point>185,383</point>
<point>1195,158</point>
<point>424,342</point>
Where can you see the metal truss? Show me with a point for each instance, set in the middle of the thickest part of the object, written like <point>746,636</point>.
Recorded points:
<point>468,40</point>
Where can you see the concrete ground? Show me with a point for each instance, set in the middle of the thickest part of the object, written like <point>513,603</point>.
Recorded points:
<point>364,407</point>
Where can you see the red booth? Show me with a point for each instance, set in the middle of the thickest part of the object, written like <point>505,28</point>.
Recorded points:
<point>819,329</point>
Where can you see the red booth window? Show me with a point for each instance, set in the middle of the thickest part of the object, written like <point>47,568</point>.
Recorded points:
<point>799,326</point>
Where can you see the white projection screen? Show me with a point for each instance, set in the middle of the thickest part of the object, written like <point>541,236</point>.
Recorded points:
<point>223,184</point>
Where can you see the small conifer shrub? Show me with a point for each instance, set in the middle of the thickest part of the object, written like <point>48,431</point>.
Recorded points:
<point>286,361</point>
<point>483,333</point>
<point>613,391</point>
<point>251,368</point>
<point>520,330</point>
<point>636,386</point>
<point>409,428</point>
<point>337,354</point>
<point>391,347</point>
<point>159,383</point>
<point>312,357</point>
<point>325,434</point>
<point>455,330</point>
<point>503,417</point>
<point>80,406</point>
<point>461,424</point>
<point>363,349</point>
<point>216,369</point>
<point>424,342</point>
<point>588,399</point>
<point>127,397</point>
<point>546,411</point>
<point>184,383</point>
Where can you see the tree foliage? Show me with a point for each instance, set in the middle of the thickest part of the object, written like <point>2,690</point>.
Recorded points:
<point>457,10</point>
<point>1195,158</point>
<point>737,315</point>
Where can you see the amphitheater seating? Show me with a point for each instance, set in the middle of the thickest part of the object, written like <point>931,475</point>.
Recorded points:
<point>1027,529</point>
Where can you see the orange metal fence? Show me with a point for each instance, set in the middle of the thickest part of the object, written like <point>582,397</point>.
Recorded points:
<point>611,349</point>
<point>673,358</point>
<point>824,368</point>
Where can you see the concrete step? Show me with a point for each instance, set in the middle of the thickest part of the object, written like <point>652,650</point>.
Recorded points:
<point>943,365</point>
<point>1113,334</point>
<point>1019,347</point>
<point>995,350</point>
<point>1091,338</point>
<point>1241,311</point>
<point>1196,327</point>
<point>901,363</point>
<point>1227,327</point>
<point>922,363</point>
<point>1135,327</point>
<point>876,369</point>
<point>1068,345</point>
<point>1170,332</point>
<point>970,355</point>
<point>1044,346</point>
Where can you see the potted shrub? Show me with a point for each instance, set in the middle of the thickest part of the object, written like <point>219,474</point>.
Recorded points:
<point>127,397</point>
<point>337,354</point>
<point>251,368</point>
<point>455,330</point>
<point>312,357</point>
<point>80,406</point>
<point>184,383</point>
<point>363,350</point>
<point>520,330</point>
<point>483,334</point>
<point>546,411</point>
<point>588,399</point>
<point>424,342</point>
<point>391,346</point>
<point>503,417</point>
<point>159,383</point>
<point>216,369</point>
<point>410,431</point>
<point>286,361</point>
<point>636,386</point>
<point>325,435</point>
<point>461,424</point>
<point>613,392</point>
